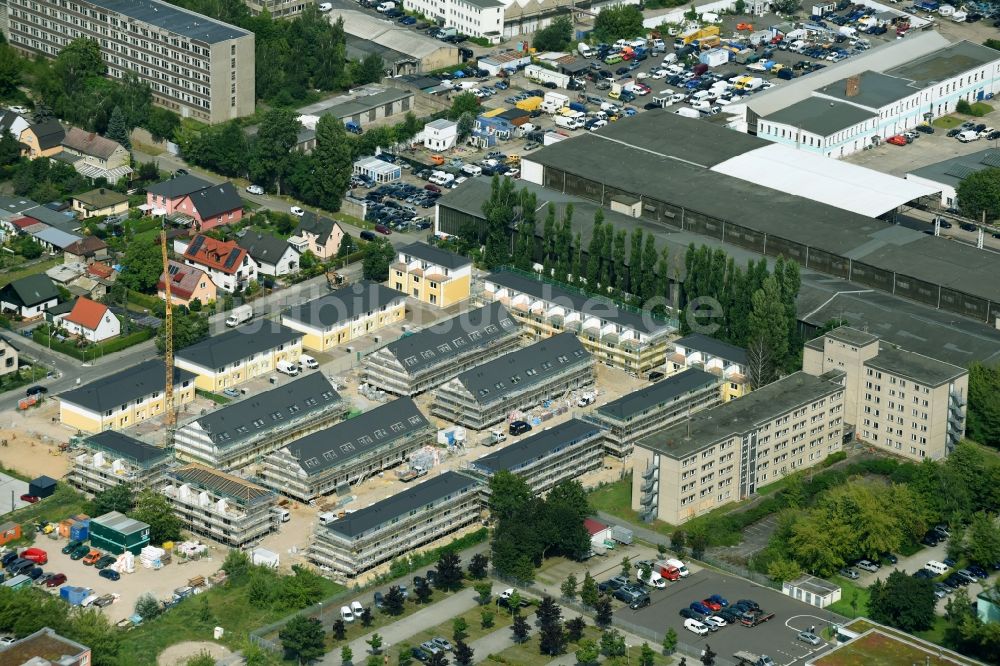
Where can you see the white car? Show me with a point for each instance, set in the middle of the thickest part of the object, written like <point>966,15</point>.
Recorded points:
<point>716,620</point>
<point>986,132</point>
<point>295,210</point>
<point>641,75</point>
<point>659,74</point>
<point>696,627</point>
<point>255,189</point>
<point>357,608</point>
<point>346,615</point>
<point>598,125</point>
<point>19,109</point>
<point>325,6</point>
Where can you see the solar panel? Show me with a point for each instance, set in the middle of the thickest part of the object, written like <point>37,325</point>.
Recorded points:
<point>234,254</point>
<point>991,159</point>
<point>960,171</point>
<point>195,245</point>
<point>172,269</point>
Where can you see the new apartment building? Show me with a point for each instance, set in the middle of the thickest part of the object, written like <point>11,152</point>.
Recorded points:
<point>625,338</point>
<point>653,408</point>
<point>426,359</point>
<point>397,525</point>
<point>112,458</point>
<point>560,453</point>
<point>431,275</point>
<point>725,453</point>
<point>246,431</point>
<point>221,507</point>
<point>237,356</point>
<point>196,66</point>
<point>346,314</point>
<point>349,452</point>
<point>899,401</point>
<point>725,361</point>
<point>521,379</point>
<point>124,399</point>
<point>276,8</point>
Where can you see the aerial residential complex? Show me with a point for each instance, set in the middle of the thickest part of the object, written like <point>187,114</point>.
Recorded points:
<point>111,458</point>
<point>243,432</point>
<point>902,402</point>
<point>431,275</point>
<point>521,379</point>
<point>431,510</point>
<point>347,453</point>
<point>346,314</point>
<point>426,359</point>
<point>725,361</point>
<point>237,356</point>
<point>653,408</point>
<point>628,339</point>
<point>196,66</point>
<point>726,453</point>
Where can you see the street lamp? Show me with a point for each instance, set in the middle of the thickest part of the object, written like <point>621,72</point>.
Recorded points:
<point>320,613</point>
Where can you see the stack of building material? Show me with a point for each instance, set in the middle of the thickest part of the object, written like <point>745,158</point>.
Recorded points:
<point>126,563</point>
<point>191,549</point>
<point>150,557</point>
<point>64,527</point>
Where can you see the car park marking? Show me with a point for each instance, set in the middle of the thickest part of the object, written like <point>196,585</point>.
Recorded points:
<point>795,617</point>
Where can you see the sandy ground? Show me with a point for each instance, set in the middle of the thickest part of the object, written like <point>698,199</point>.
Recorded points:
<point>180,653</point>
<point>32,441</point>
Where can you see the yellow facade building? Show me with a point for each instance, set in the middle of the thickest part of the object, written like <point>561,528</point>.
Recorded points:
<point>725,361</point>
<point>239,355</point>
<point>431,275</point>
<point>346,314</point>
<point>123,399</point>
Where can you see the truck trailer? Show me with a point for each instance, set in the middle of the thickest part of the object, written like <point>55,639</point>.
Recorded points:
<point>539,74</point>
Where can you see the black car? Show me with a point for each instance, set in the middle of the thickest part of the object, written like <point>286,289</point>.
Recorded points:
<point>967,226</point>
<point>110,574</point>
<point>34,573</point>
<point>890,558</point>
<point>926,129</point>
<point>955,581</point>
<point>689,614</point>
<point>749,603</point>
<point>622,70</point>
<point>550,85</point>
<point>954,131</point>
<point>8,558</point>
<point>379,599</point>
<point>924,574</point>
<point>729,615</point>
<point>420,654</point>
<point>641,602</point>
<point>931,539</point>
<point>977,571</point>
<point>36,390</point>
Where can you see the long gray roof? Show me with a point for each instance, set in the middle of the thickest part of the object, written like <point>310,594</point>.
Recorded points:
<point>820,116</point>
<point>175,19</point>
<point>469,331</point>
<point>359,298</point>
<point>723,350</point>
<point>874,90</point>
<point>945,63</point>
<point>238,344</point>
<point>519,369</point>
<point>916,367</point>
<point>658,393</point>
<point>121,444</point>
<point>399,505</point>
<point>116,390</point>
<point>536,447</point>
<point>375,428</point>
<point>259,413</point>
<point>263,247</point>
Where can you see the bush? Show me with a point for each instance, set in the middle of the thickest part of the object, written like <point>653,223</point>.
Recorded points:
<point>963,106</point>
<point>833,459</point>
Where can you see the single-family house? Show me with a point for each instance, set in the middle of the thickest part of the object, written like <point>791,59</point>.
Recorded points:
<point>226,263</point>
<point>87,250</point>
<point>95,156</point>
<point>101,201</point>
<point>441,134</point>
<point>206,205</point>
<point>319,235</point>
<point>29,297</point>
<point>187,283</point>
<point>274,256</point>
<point>8,356</point>
<point>42,139</point>
<point>14,123</point>
<point>90,320</point>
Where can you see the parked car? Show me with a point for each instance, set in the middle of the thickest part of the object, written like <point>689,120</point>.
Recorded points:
<point>612,584</point>
<point>866,565</point>
<point>441,643</point>
<point>809,637</point>
<point>345,614</point>
<point>255,189</point>
<point>690,614</point>
<point>56,580</point>
<point>421,654</point>
<point>30,499</point>
<point>296,211</point>
<point>719,599</point>
<point>110,574</point>
<point>696,627</point>
<point>91,557</point>
<point>699,607</point>
<point>712,605</point>
<point>848,572</point>
<point>105,562</point>
<point>82,550</point>
<point>715,621</point>
<point>379,599</point>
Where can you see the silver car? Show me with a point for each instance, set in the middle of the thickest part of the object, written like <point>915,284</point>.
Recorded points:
<point>809,637</point>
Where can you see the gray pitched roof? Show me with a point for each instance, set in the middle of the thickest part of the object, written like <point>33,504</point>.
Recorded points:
<point>115,390</point>
<point>444,340</point>
<point>178,186</point>
<point>435,255</point>
<point>49,134</point>
<point>529,449</point>
<point>718,348</point>
<point>215,200</point>
<point>321,227</point>
<point>399,505</point>
<point>352,438</point>
<point>345,303</point>
<point>524,367</point>
<point>658,393</point>
<point>820,116</point>
<point>237,344</point>
<point>119,443</point>
<point>263,248</point>
<point>263,411</point>
<point>30,290</point>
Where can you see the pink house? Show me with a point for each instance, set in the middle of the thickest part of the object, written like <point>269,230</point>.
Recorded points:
<point>207,204</point>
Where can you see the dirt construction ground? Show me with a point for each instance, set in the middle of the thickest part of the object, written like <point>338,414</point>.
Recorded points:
<point>29,441</point>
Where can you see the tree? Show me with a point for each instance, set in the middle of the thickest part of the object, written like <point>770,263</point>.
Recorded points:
<point>520,629</point>
<point>649,261</point>
<point>708,656</point>
<point>574,628</point>
<point>438,659</point>
<point>466,123</point>
<point>303,638</point>
<point>10,148</point>
<point>117,498</point>
<point>377,255</point>
<point>588,590</point>
<point>603,612</point>
<point>984,539</point>
<point>498,210</point>
<point>346,654</point>
<point>463,653</point>
<point>141,267</point>
<point>339,629</point>
<point>270,154</point>
<point>698,544</point>
<point>760,363</point>
<point>983,414</point>
<point>555,37</point>
<point>484,591</point>
<point>370,69</point>
<point>153,509</point>
<point>620,22</point>
<point>626,567</point>
<point>669,642</point>
<point>117,129</point>
<point>594,251</point>
<point>552,640</point>
<point>423,593</point>
<point>334,160</point>
<point>646,655</point>
<point>678,540</point>
<point>768,320</point>
<point>903,602</point>
<point>786,6</point>
<point>162,124</point>
<point>189,328</point>
<point>781,569</point>
<point>478,566</point>
<point>459,629</point>
<point>11,67</point>
<point>147,607</point>
<point>366,617</point>
<point>568,587</point>
<point>463,103</point>
<point>486,618</point>
<point>375,643</point>
<point>449,571</point>
<point>509,496</point>
<point>587,652</point>
<point>613,643</point>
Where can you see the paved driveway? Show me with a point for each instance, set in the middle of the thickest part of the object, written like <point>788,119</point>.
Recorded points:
<point>11,490</point>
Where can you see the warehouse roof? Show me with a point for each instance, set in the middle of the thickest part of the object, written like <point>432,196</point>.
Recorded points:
<point>913,366</point>
<point>364,103</point>
<point>124,386</point>
<point>362,297</point>
<point>120,444</point>
<point>945,63</point>
<point>393,421</point>
<point>358,48</point>
<point>174,19</point>
<point>873,90</point>
<point>536,447</point>
<point>518,370</point>
<point>401,504</point>
<point>954,170</point>
<point>389,34</point>
<point>220,483</point>
<point>120,523</point>
<point>434,255</point>
<point>238,344</point>
<point>713,347</point>
<point>709,426</point>
<point>658,393</point>
<point>262,412</point>
<point>468,332</point>
<point>820,116</point>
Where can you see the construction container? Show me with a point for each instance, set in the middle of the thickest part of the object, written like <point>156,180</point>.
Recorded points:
<point>9,532</point>
<point>115,532</point>
<point>65,527</point>
<point>18,582</point>
<point>530,104</point>
<point>80,531</point>
<point>621,534</point>
<point>73,595</point>
<point>43,486</point>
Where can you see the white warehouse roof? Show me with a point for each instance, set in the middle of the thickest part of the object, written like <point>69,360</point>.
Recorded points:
<point>824,179</point>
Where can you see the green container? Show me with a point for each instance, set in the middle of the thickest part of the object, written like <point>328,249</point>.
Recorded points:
<point>115,532</point>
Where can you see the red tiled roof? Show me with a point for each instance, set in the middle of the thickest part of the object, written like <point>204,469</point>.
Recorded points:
<point>23,222</point>
<point>593,526</point>
<point>100,269</point>
<point>86,246</point>
<point>223,256</point>
<point>87,313</point>
<point>184,279</point>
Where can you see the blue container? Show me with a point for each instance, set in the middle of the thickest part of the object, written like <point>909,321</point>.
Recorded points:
<point>79,531</point>
<point>73,595</point>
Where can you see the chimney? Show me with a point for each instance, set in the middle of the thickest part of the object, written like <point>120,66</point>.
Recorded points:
<point>853,85</point>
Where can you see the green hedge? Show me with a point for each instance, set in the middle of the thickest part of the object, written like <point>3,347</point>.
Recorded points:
<point>93,351</point>
<point>144,300</point>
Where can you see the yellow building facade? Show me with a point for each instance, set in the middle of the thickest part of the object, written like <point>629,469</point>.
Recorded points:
<point>346,315</point>
<point>431,275</point>
<point>237,356</point>
<point>726,361</point>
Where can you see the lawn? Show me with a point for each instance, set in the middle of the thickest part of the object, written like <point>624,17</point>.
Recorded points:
<point>947,122</point>
<point>980,109</point>
<point>853,600</point>
<point>526,654</point>
<point>474,630</point>
<point>23,377</point>
<point>616,499</point>
<point>7,277</point>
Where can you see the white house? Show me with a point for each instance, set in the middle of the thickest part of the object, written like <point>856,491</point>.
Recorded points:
<point>228,265</point>
<point>90,320</point>
<point>273,255</point>
<point>29,297</point>
<point>442,134</point>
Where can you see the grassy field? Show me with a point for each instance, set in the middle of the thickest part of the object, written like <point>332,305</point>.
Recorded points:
<point>853,600</point>
<point>526,654</point>
<point>474,631</point>
<point>7,277</point>
<point>947,122</point>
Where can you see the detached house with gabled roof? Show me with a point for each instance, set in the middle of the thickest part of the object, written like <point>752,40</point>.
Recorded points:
<point>85,251</point>
<point>319,235</point>
<point>227,264</point>
<point>274,256</point>
<point>187,283</point>
<point>90,320</point>
<point>431,275</point>
<point>30,296</point>
<point>42,139</point>
<point>95,156</point>
<point>206,205</point>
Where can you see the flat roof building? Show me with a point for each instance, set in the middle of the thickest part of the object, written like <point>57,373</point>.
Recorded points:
<point>237,356</point>
<point>948,174</point>
<point>111,458</point>
<point>115,532</point>
<point>726,453</point>
<point>654,407</point>
<point>812,590</point>
<point>397,525</point>
<point>243,432</point>
<point>346,314</point>
<point>45,648</point>
<point>347,453</point>
<point>425,359</point>
<point>521,379</point>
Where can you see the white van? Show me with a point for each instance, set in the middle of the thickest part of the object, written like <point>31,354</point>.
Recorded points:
<point>327,517</point>
<point>308,361</point>
<point>967,136</point>
<point>584,50</point>
<point>472,170</point>
<point>937,567</point>
<point>386,6</point>
<point>285,514</point>
<point>288,368</point>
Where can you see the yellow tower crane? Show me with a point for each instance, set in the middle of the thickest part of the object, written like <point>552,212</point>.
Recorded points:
<point>168,391</point>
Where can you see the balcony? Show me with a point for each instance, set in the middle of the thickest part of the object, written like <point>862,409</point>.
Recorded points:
<point>648,499</point>
<point>651,471</point>
<point>648,485</point>
<point>956,400</point>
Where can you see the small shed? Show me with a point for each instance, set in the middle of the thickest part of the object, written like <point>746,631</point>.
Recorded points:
<point>43,486</point>
<point>18,582</point>
<point>115,532</point>
<point>9,532</point>
<point>812,590</point>
<point>600,534</point>
<point>378,170</point>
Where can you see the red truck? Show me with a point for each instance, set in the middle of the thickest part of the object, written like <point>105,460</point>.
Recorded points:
<point>666,570</point>
<point>36,555</point>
